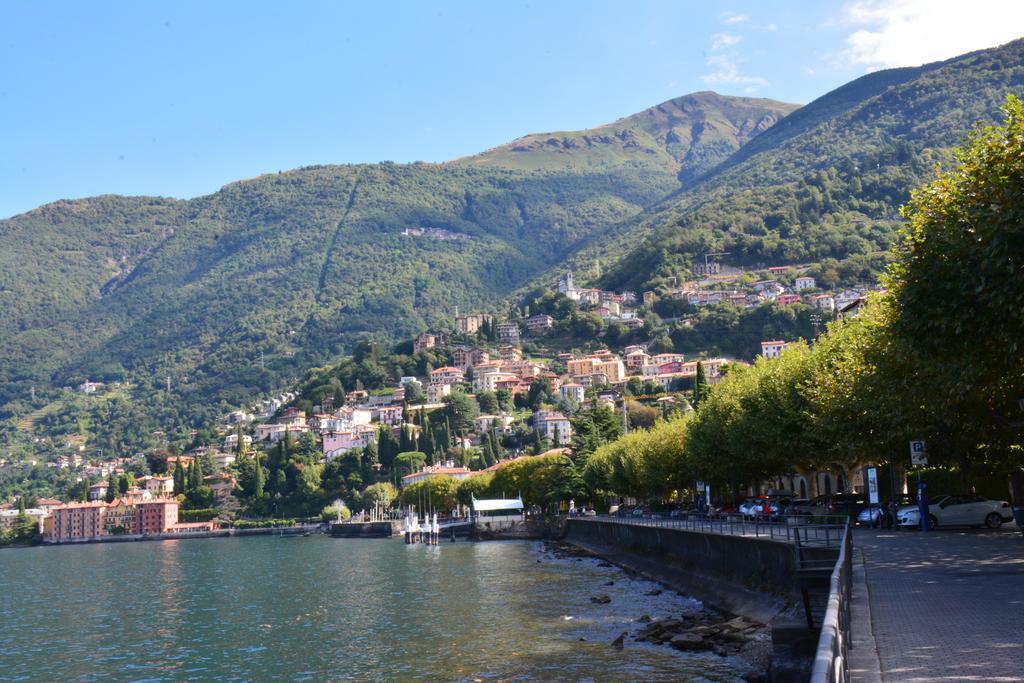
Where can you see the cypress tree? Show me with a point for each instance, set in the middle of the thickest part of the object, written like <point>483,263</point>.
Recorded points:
<point>495,445</point>
<point>700,386</point>
<point>388,446</point>
<point>258,482</point>
<point>557,441</point>
<point>430,447</point>
<point>198,475</point>
<point>111,488</point>
<point>21,505</point>
<point>179,478</point>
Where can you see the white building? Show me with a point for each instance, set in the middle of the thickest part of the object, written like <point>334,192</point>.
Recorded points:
<point>804,282</point>
<point>573,390</point>
<point>553,424</point>
<point>772,349</point>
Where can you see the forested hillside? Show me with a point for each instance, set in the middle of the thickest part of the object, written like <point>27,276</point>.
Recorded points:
<point>204,303</point>
<point>828,181</point>
<point>200,304</point>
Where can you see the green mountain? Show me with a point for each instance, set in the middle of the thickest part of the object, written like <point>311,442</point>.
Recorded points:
<point>240,291</point>
<point>827,181</point>
<point>687,135</point>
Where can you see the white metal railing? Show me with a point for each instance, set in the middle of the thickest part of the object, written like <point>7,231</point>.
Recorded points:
<point>796,529</point>
<point>831,661</point>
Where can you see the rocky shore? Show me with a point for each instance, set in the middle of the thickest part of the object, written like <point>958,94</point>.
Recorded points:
<point>705,630</point>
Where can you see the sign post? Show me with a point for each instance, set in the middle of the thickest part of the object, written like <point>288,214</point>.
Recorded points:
<point>922,503</point>
<point>873,485</point>
<point>919,458</point>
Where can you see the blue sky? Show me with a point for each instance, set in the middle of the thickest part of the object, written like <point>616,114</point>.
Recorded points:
<point>180,98</point>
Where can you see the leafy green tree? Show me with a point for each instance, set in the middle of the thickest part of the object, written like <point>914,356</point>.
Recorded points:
<point>591,429</point>
<point>505,401</point>
<point>461,411</point>
<point>438,493</point>
<point>382,494</point>
<point>157,461</point>
<point>387,447</point>
<point>478,486</point>
<point>409,462</point>
<point>488,402</point>
<point>641,416</point>
<point>112,488</point>
<point>539,394</point>
<point>964,247</point>
<point>644,463</point>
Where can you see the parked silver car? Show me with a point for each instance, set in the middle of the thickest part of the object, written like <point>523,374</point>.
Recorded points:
<point>881,515</point>
<point>967,510</point>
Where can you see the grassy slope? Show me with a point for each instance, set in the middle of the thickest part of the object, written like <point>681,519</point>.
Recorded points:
<point>686,135</point>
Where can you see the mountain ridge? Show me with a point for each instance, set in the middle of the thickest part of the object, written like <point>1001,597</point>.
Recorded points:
<point>239,291</point>
<point>684,135</point>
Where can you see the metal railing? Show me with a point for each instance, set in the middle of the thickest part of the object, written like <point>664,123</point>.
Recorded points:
<point>831,661</point>
<point>796,529</point>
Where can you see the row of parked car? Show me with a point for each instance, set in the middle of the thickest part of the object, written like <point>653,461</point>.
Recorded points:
<point>761,507</point>
<point>943,511</point>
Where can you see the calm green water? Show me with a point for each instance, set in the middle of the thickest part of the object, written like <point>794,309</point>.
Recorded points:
<point>322,609</point>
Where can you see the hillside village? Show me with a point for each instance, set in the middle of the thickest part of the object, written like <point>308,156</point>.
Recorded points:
<point>491,390</point>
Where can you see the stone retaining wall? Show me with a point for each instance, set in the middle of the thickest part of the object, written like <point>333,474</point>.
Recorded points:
<point>752,577</point>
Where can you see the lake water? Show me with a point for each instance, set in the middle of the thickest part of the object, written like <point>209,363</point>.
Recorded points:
<point>316,608</point>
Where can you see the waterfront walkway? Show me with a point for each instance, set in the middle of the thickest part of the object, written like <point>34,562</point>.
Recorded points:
<point>944,606</point>
<point>795,530</point>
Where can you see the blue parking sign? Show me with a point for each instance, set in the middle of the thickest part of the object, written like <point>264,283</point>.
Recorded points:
<point>918,454</point>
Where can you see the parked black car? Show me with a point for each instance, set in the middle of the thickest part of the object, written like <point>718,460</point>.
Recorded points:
<point>849,504</point>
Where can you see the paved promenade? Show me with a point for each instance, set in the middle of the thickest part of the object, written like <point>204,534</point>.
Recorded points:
<point>946,605</point>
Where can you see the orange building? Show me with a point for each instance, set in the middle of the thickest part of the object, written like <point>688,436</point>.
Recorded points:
<point>155,516</point>
<point>123,516</point>
<point>77,520</point>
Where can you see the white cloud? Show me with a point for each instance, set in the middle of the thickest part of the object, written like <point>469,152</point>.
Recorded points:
<point>737,18</point>
<point>725,62</point>
<point>911,32</point>
<point>726,69</point>
<point>723,40</point>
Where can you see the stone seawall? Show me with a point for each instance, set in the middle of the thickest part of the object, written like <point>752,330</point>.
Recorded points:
<point>750,577</point>
<point>366,529</point>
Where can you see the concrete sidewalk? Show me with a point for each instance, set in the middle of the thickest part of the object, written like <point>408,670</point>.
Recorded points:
<point>946,605</point>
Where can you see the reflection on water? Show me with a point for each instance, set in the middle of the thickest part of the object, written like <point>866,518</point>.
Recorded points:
<point>324,609</point>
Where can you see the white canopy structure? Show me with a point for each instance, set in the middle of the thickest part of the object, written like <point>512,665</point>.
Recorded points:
<point>507,506</point>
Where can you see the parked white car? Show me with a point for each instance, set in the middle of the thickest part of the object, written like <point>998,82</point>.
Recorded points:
<point>966,510</point>
<point>752,508</point>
